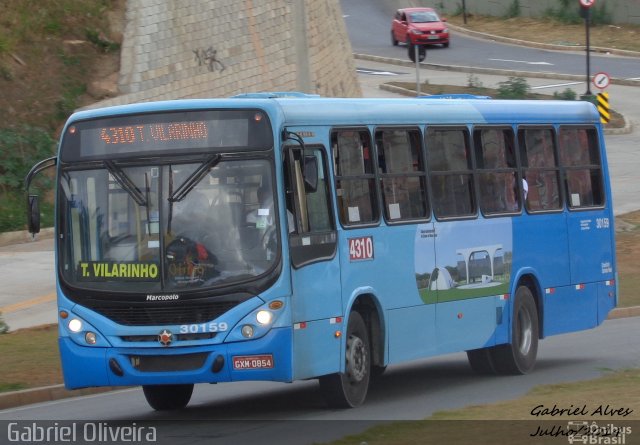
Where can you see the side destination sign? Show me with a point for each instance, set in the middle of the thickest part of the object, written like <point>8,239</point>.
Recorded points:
<point>120,271</point>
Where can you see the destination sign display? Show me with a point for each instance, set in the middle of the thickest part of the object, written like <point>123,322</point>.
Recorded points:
<point>157,133</point>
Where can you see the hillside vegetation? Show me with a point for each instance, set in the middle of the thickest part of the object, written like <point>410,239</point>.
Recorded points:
<point>51,54</point>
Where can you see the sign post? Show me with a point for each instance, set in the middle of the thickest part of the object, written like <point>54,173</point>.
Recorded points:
<point>417,53</point>
<point>586,5</point>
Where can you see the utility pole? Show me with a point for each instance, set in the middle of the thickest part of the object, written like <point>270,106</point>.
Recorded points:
<point>587,24</point>
<point>585,6</point>
<point>464,11</point>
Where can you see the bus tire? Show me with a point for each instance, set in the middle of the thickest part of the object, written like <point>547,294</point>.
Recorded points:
<point>481,361</point>
<point>377,371</point>
<point>349,389</point>
<point>167,397</point>
<point>519,356</point>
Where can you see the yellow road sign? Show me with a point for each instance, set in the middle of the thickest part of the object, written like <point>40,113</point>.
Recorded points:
<point>603,107</point>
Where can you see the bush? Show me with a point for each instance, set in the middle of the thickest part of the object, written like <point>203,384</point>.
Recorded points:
<point>569,12</point>
<point>4,328</point>
<point>13,212</point>
<point>513,10</point>
<point>514,88</point>
<point>21,149</point>
<point>567,94</point>
<point>474,82</point>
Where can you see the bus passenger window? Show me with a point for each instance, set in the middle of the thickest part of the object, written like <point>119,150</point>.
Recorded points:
<point>540,169</point>
<point>402,174</point>
<point>579,157</point>
<point>355,179</point>
<point>495,158</point>
<point>449,156</point>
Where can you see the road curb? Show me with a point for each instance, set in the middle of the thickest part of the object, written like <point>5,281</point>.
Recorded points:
<point>23,236</point>
<point>480,70</point>
<point>46,394</point>
<point>58,392</point>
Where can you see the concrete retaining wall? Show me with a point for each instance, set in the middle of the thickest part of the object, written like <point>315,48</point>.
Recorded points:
<point>175,49</point>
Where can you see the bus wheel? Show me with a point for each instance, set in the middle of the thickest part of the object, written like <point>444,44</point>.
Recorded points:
<point>377,371</point>
<point>167,397</point>
<point>519,357</point>
<point>481,361</point>
<point>349,390</point>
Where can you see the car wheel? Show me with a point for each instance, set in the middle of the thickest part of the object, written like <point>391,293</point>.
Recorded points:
<point>445,45</point>
<point>394,42</point>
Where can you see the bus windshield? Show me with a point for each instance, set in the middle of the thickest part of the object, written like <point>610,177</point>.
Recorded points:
<point>167,227</point>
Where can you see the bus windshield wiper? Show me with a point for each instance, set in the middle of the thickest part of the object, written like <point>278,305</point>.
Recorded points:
<point>195,177</point>
<point>126,183</point>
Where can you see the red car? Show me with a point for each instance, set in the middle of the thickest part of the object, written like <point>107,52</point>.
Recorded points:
<point>419,26</point>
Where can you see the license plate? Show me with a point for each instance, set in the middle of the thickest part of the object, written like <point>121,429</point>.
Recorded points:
<point>433,37</point>
<point>242,362</point>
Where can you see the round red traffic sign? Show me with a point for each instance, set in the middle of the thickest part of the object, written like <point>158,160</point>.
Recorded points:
<point>587,3</point>
<point>601,80</point>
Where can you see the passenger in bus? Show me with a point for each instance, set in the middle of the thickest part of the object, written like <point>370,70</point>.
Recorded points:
<point>263,216</point>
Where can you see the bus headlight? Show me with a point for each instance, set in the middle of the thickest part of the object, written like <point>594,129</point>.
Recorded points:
<point>90,338</point>
<point>264,317</point>
<point>247,331</point>
<point>75,325</point>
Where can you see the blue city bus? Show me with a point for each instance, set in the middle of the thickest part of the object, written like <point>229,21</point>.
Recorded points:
<point>284,236</point>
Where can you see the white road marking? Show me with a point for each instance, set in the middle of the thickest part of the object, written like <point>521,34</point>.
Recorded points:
<point>522,61</point>
<point>556,85</point>
<point>376,73</point>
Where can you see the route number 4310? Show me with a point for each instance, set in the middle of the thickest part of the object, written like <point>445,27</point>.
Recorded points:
<point>361,248</point>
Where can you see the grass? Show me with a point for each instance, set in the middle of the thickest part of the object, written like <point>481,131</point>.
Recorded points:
<point>515,420</point>
<point>617,389</point>
<point>30,358</point>
<point>550,31</point>
<point>627,253</point>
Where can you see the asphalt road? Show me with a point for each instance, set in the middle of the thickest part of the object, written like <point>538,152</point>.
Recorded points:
<point>368,23</point>
<point>262,412</point>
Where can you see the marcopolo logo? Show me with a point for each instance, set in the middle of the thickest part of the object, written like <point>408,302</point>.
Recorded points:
<point>169,297</point>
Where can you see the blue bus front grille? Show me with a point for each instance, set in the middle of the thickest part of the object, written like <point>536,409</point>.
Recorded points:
<point>181,313</point>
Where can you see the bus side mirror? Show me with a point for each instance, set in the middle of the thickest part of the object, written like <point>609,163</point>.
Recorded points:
<point>310,174</point>
<point>33,214</point>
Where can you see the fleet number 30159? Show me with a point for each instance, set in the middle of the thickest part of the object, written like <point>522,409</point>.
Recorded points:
<point>203,328</point>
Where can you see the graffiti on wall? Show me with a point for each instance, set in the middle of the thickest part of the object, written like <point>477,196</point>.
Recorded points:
<point>208,57</point>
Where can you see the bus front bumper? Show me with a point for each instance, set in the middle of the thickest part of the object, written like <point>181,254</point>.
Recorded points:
<point>268,358</point>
